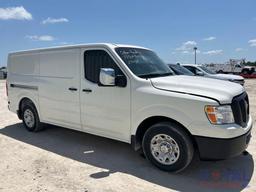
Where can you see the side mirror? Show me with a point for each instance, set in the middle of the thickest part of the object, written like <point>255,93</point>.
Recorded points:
<point>199,73</point>
<point>107,77</point>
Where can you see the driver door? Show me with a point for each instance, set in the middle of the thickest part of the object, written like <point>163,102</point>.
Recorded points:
<point>105,110</point>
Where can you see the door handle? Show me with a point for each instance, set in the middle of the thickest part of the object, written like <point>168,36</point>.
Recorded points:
<point>72,89</point>
<point>87,90</point>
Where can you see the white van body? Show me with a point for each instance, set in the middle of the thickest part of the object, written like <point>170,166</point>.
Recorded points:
<point>54,80</point>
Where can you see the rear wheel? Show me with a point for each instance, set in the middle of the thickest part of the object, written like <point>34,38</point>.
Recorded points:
<point>30,117</point>
<point>168,147</point>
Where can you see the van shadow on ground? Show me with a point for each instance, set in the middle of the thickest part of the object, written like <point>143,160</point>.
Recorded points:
<point>115,156</point>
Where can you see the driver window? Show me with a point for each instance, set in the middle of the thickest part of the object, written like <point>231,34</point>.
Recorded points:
<point>94,60</point>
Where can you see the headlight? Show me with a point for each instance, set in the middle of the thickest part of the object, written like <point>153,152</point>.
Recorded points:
<point>219,114</point>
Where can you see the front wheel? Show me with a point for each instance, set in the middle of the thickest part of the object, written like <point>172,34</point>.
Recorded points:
<point>168,147</point>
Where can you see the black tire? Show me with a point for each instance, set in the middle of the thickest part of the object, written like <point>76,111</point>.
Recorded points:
<point>182,139</point>
<point>220,71</point>
<point>28,106</point>
<point>245,71</point>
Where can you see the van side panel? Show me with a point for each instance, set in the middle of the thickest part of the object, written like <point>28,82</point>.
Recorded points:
<point>24,64</point>
<point>23,71</point>
<point>59,71</point>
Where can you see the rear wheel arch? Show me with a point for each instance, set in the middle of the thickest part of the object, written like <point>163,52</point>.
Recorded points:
<point>136,140</point>
<point>22,102</point>
<point>28,113</point>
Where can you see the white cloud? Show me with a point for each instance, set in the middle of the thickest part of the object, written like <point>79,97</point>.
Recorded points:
<point>191,52</point>
<point>41,38</point>
<point>213,52</point>
<point>239,49</point>
<point>252,42</point>
<point>50,20</point>
<point>18,13</point>
<point>186,46</point>
<point>209,38</point>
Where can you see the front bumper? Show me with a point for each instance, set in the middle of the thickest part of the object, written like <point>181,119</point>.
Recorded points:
<point>218,149</point>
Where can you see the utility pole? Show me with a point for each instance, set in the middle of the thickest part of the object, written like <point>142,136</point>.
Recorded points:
<point>195,48</point>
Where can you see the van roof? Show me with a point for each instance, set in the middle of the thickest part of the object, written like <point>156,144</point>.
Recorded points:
<point>111,45</point>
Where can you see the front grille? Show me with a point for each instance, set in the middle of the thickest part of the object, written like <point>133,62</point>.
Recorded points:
<point>240,108</point>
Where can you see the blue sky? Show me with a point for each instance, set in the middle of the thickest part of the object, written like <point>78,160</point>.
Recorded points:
<point>221,29</point>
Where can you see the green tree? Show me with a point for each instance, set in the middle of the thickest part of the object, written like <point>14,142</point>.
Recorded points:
<point>250,63</point>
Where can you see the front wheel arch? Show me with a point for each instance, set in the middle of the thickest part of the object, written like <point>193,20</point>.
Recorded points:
<point>177,152</point>
<point>136,140</point>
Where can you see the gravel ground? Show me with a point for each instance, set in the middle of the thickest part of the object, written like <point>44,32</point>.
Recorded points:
<point>59,159</point>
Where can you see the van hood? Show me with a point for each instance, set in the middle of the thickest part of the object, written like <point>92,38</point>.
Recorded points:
<point>223,91</point>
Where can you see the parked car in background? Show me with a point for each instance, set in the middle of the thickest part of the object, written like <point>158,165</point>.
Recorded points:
<point>128,93</point>
<point>3,73</point>
<point>225,68</point>
<point>180,70</point>
<point>201,70</point>
<point>234,66</point>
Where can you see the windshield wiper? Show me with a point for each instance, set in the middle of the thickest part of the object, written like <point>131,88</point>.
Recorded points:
<point>152,75</point>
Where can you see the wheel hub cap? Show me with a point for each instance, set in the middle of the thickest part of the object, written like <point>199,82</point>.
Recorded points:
<point>29,118</point>
<point>164,149</point>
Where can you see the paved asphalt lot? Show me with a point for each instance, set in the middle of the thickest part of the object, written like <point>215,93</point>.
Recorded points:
<point>59,159</point>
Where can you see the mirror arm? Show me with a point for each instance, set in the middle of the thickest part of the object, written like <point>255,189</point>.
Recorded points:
<point>120,81</point>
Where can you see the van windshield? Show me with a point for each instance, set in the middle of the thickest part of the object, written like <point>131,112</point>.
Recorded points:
<point>143,63</point>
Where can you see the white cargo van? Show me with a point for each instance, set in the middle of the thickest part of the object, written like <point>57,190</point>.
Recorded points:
<point>127,93</point>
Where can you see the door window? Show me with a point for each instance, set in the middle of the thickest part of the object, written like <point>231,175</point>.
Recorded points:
<point>94,60</point>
